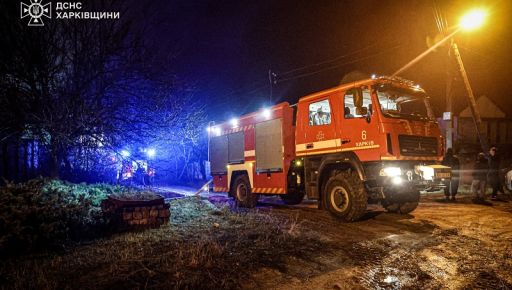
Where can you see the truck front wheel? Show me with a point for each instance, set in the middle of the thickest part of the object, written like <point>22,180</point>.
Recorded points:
<point>345,197</point>
<point>241,190</point>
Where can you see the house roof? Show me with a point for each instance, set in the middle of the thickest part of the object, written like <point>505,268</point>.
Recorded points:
<point>486,107</point>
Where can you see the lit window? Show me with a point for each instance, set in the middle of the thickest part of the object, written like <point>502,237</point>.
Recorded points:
<point>319,113</point>
<point>350,110</point>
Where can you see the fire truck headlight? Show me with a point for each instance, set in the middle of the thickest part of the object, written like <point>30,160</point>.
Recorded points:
<point>298,163</point>
<point>427,172</point>
<point>391,171</point>
<point>396,180</point>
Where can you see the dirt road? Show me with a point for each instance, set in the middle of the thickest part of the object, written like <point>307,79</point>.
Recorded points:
<point>211,244</point>
<point>440,245</point>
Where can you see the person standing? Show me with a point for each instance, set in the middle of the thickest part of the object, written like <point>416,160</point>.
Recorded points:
<point>452,185</point>
<point>479,184</point>
<point>493,177</point>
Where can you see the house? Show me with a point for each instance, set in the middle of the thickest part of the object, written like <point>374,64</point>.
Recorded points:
<point>496,125</point>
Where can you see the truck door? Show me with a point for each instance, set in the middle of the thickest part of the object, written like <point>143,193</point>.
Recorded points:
<point>319,129</point>
<point>359,126</point>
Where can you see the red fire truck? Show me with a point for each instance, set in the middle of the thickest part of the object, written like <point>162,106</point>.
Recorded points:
<point>368,141</point>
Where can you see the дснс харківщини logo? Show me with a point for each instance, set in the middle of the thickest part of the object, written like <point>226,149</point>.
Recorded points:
<point>36,11</point>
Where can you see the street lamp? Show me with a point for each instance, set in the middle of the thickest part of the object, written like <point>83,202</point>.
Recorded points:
<point>472,20</point>
<point>469,21</point>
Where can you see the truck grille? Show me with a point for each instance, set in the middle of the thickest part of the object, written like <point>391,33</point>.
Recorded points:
<point>417,145</point>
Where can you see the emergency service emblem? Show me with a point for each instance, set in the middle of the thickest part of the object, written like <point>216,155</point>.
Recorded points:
<point>36,11</point>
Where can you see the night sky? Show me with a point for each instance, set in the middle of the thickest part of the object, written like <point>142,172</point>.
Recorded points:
<point>225,48</point>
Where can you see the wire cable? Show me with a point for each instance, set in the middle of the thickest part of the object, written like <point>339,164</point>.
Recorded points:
<point>329,61</point>
<point>339,65</point>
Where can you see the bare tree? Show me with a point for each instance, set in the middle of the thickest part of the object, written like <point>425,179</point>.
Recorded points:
<point>83,88</point>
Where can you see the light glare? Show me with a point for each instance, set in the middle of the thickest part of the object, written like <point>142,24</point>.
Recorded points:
<point>151,152</point>
<point>473,19</point>
<point>266,113</point>
<point>391,171</point>
<point>427,172</point>
<point>234,122</point>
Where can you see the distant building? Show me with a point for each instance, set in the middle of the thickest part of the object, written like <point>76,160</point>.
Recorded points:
<point>496,125</point>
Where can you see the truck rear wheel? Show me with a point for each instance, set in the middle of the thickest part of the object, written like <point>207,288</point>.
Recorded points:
<point>241,190</point>
<point>345,197</point>
<point>292,197</point>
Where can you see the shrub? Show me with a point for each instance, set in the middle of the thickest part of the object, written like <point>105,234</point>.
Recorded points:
<point>47,213</point>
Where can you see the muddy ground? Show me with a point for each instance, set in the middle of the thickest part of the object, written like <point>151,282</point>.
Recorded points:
<point>210,244</point>
<point>441,245</point>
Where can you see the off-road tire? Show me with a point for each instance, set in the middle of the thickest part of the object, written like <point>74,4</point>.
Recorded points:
<point>344,196</point>
<point>241,190</point>
<point>292,197</point>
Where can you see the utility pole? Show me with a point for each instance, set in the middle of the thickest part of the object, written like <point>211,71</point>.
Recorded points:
<point>271,79</point>
<point>472,103</point>
<point>469,21</point>
<point>449,99</point>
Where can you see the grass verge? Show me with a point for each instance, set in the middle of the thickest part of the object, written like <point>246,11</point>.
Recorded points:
<point>202,247</point>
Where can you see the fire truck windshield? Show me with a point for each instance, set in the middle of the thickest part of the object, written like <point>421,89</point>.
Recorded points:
<point>403,103</point>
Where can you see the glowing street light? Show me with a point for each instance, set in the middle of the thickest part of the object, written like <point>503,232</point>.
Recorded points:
<point>151,152</point>
<point>266,113</point>
<point>470,21</point>
<point>473,19</point>
<point>125,153</point>
<point>234,122</point>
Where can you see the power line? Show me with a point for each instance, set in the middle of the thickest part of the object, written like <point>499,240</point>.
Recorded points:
<point>328,61</point>
<point>275,77</point>
<point>339,65</point>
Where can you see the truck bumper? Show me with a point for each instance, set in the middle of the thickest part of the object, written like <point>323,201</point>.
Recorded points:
<point>404,185</point>
<point>407,191</point>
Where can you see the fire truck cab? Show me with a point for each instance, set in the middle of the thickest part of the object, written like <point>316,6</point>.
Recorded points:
<point>369,141</point>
